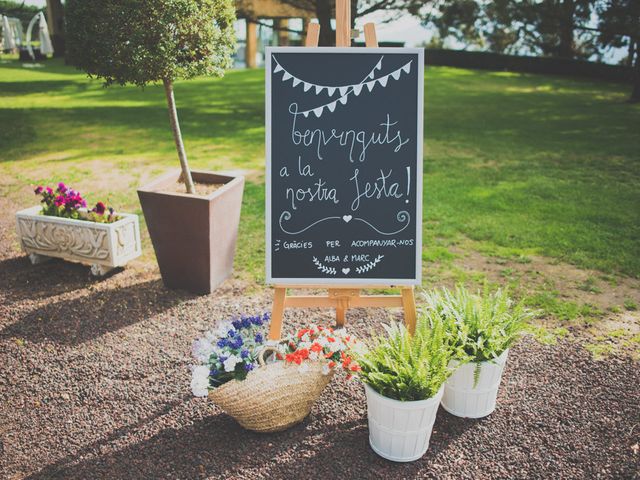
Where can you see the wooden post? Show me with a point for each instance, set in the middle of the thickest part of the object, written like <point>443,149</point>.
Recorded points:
<point>251,46</point>
<point>279,26</point>
<point>313,35</point>
<point>370,38</point>
<point>343,23</point>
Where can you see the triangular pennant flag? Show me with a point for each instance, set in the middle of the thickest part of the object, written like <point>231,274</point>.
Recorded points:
<point>357,89</point>
<point>371,75</point>
<point>407,68</point>
<point>306,114</point>
<point>296,81</point>
<point>383,80</point>
<point>332,106</point>
<point>318,111</point>
<point>370,85</point>
<point>307,86</point>
<point>396,75</point>
<point>286,76</point>
<point>278,68</point>
<point>379,65</point>
<point>343,90</point>
<point>343,100</point>
<point>319,89</point>
<point>331,91</point>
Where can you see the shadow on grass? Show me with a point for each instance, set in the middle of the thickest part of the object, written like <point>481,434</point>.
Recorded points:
<point>78,320</point>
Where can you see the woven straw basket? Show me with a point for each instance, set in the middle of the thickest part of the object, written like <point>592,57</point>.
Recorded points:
<point>273,397</point>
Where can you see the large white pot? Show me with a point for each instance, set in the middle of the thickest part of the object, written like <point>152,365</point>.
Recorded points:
<point>400,431</point>
<point>101,245</point>
<point>463,399</point>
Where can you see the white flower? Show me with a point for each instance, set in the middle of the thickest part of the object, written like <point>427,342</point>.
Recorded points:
<point>325,369</point>
<point>202,350</point>
<point>200,381</point>
<point>230,363</point>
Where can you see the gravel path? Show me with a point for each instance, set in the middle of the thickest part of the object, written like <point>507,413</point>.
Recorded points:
<point>94,383</point>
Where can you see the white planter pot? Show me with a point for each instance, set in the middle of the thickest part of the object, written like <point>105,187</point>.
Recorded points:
<point>463,399</point>
<point>102,245</point>
<point>400,431</point>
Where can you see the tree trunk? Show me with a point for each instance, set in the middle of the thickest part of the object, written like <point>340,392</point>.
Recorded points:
<point>55,20</point>
<point>566,48</point>
<point>635,94</point>
<point>177,136</point>
<point>323,12</point>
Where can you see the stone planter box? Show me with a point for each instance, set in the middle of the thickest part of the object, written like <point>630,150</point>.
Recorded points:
<point>104,246</point>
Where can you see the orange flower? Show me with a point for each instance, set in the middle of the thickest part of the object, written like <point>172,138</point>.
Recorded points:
<point>316,347</point>
<point>303,353</point>
<point>332,364</point>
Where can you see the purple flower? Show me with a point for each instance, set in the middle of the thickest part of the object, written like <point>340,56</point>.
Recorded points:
<point>257,321</point>
<point>49,191</point>
<point>237,324</point>
<point>222,343</point>
<point>237,342</point>
<point>246,322</point>
<point>100,208</point>
<point>232,333</point>
<point>222,358</point>
<point>62,187</point>
<point>259,338</point>
<point>244,353</point>
<point>38,190</point>
<point>248,367</point>
<point>214,372</point>
<point>60,200</point>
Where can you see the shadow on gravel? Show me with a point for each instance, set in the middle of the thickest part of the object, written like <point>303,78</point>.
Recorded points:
<point>20,280</point>
<point>74,321</point>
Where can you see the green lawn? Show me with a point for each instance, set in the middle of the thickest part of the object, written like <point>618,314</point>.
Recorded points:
<point>521,164</point>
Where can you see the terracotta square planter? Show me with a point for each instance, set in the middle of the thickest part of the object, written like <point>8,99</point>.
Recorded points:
<point>194,236</point>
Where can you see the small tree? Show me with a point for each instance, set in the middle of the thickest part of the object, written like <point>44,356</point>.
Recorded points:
<point>147,41</point>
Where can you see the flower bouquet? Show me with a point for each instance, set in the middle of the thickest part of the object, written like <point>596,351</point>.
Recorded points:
<point>268,395</point>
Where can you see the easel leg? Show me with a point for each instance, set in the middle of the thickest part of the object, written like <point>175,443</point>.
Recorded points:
<point>340,316</point>
<point>275,330</point>
<point>409,306</point>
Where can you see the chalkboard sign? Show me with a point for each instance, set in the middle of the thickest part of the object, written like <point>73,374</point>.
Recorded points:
<point>344,165</point>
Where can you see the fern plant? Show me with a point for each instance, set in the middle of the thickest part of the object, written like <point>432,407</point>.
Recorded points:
<point>478,327</point>
<point>406,367</point>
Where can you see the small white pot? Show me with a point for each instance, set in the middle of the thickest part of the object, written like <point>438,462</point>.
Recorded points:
<point>101,245</point>
<point>400,431</point>
<point>463,399</point>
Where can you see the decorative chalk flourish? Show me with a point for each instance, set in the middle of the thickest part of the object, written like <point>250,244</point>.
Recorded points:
<point>402,216</point>
<point>324,268</point>
<point>368,266</point>
<point>345,90</point>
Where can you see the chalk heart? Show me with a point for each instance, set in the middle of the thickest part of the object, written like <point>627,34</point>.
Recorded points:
<point>347,218</point>
<point>346,270</point>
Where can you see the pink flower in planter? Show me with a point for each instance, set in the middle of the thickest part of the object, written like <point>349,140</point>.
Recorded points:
<point>62,187</point>
<point>38,190</point>
<point>60,200</point>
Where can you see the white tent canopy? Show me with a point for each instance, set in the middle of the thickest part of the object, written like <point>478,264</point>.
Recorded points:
<point>46,47</point>
<point>11,33</point>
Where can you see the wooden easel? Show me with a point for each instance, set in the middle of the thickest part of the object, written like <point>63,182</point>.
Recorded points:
<point>341,298</point>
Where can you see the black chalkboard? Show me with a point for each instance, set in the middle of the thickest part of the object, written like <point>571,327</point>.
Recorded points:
<point>344,165</point>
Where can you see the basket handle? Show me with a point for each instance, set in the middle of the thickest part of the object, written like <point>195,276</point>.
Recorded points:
<point>263,351</point>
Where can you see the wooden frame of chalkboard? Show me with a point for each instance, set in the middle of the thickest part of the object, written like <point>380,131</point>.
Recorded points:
<point>410,61</point>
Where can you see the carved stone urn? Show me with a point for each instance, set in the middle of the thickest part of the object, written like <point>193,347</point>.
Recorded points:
<point>104,246</point>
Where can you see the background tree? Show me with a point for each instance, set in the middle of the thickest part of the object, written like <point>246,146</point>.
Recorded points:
<point>55,20</point>
<point>19,10</point>
<point>547,27</point>
<point>619,27</point>
<point>146,41</point>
